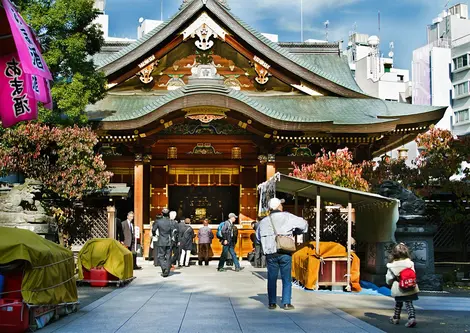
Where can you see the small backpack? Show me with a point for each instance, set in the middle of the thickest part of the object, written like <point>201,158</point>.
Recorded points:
<point>407,279</point>
<point>219,230</point>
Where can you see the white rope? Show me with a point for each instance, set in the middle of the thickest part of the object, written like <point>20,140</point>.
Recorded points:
<point>55,263</point>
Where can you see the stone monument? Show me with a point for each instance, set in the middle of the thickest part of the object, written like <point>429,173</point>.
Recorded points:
<point>20,208</point>
<point>414,230</point>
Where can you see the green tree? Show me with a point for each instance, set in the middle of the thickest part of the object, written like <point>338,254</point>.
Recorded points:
<point>69,38</point>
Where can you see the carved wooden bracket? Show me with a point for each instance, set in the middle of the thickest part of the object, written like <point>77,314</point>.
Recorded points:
<point>261,68</point>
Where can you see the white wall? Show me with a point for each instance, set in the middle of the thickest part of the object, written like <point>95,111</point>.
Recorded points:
<point>146,26</point>
<point>441,87</point>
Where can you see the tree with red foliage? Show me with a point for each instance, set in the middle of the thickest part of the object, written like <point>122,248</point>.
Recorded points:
<point>62,159</point>
<point>334,168</point>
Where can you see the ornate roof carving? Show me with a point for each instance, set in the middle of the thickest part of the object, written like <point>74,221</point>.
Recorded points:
<point>222,2</point>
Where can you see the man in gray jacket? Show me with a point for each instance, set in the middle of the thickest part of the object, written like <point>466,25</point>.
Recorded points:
<point>285,224</point>
<point>166,228</point>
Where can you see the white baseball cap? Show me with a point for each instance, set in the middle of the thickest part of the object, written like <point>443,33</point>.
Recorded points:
<point>274,203</point>
<point>232,215</point>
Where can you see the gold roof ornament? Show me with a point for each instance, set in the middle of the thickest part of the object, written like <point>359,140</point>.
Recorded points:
<point>205,114</point>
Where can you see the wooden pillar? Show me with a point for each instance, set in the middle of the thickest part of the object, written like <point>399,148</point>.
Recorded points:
<point>111,210</point>
<point>270,170</point>
<point>271,166</point>
<point>139,193</point>
<point>348,288</point>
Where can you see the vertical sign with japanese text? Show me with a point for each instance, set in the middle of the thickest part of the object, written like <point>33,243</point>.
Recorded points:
<point>28,51</point>
<point>16,102</point>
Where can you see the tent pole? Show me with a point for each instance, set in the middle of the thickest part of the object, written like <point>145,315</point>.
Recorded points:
<point>348,288</point>
<point>317,226</point>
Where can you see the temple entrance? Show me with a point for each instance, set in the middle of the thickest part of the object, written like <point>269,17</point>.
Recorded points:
<point>199,202</point>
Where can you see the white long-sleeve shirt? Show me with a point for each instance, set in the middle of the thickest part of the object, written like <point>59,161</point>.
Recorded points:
<point>284,222</point>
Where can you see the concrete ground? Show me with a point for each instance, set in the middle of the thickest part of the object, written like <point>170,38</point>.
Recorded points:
<point>200,299</point>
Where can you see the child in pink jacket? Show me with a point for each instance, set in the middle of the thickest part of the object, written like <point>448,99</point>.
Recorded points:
<point>400,260</point>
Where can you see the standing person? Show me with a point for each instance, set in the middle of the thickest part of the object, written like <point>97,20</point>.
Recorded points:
<point>279,223</point>
<point>228,242</point>
<point>181,229</point>
<point>118,233</point>
<point>165,229</point>
<point>129,237</point>
<point>174,241</point>
<point>155,235</point>
<point>205,237</point>
<point>186,243</point>
<point>401,267</point>
<point>260,258</point>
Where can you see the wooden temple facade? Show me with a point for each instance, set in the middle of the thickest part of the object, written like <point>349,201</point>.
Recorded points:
<point>204,108</point>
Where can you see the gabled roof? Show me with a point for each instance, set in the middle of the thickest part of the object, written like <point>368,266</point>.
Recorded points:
<point>303,67</point>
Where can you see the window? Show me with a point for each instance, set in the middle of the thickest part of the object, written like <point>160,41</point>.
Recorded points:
<point>461,62</point>
<point>461,89</point>
<point>401,78</point>
<point>461,116</point>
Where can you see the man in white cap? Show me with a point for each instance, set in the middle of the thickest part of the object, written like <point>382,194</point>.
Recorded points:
<point>279,223</point>
<point>229,239</point>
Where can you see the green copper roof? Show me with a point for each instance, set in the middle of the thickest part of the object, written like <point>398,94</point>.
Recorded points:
<point>337,65</point>
<point>327,67</point>
<point>305,109</point>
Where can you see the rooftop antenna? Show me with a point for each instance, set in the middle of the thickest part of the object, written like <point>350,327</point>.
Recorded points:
<point>302,21</point>
<point>355,27</point>
<point>327,23</point>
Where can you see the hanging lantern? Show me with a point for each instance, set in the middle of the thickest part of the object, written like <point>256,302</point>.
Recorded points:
<point>236,153</point>
<point>172,153</point>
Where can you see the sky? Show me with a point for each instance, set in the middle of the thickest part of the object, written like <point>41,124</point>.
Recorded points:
<point>402,21</point>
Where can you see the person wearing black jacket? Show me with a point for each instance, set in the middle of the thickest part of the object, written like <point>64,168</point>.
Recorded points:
<point>229,240</point>
<point>186,243</point>
<point>166,229</point>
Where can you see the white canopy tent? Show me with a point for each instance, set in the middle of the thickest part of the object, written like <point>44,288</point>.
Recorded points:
<point>376,216</point>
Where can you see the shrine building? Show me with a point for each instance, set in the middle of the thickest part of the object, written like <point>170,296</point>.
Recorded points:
<point>204,108</point>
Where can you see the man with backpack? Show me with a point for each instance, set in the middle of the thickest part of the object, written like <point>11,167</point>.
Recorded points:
<point>228,236</point>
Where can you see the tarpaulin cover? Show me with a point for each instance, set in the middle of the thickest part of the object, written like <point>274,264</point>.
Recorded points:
<point>49,275</point>
<point>107,253</point>
<point>306,264</point>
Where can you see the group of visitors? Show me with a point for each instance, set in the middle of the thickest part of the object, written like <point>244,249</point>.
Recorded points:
<point>173,243</point>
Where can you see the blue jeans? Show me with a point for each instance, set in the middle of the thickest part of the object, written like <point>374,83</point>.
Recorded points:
<point>223,256</point>
<point>282,262</point>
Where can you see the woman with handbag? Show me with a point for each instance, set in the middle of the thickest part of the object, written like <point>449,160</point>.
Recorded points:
<point>276,234</point>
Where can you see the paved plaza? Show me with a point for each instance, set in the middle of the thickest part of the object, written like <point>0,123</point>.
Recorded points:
<point>200,299</point>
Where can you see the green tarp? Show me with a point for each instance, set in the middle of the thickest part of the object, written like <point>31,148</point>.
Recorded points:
<point>107,253</point>
<point>49,274</point>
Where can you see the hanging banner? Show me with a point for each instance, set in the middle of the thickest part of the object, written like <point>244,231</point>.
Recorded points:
<point>38,89</point>
<point>15,102</point>
<point>28,51</point>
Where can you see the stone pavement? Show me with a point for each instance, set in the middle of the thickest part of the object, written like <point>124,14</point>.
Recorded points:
<point>200,299</point>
